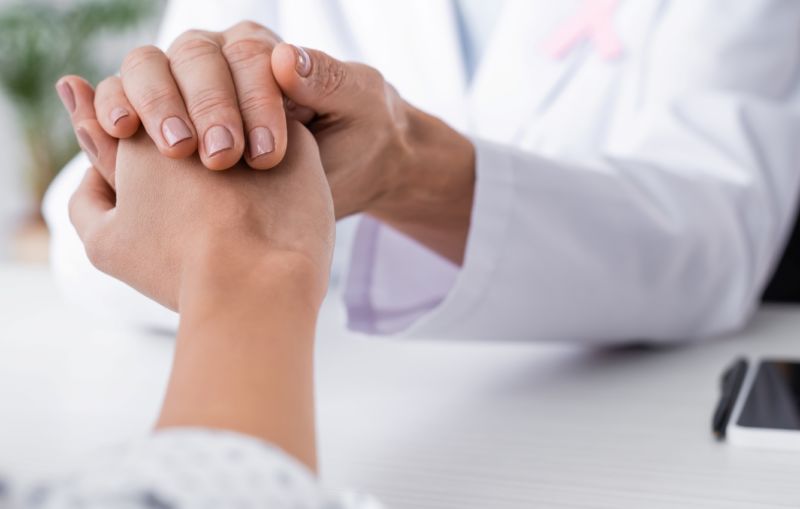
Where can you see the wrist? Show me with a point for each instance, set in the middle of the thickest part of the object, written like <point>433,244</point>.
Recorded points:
<point>245,349</point>
<point>431,193</point>
<point>436,167</point>
<point>219,274</point>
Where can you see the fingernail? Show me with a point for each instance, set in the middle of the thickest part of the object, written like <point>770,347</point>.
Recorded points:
<point>289,104</point>
<point>118,114</point>
<point>65,94</point>
<point>261,142</point>
<point>218,139</point>
<point>303,64</point>
<point>175,131</point>
<point>86,142</point>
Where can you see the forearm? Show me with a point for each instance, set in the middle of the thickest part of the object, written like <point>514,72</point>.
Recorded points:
<point>244,355</point>
<point>432,201</point>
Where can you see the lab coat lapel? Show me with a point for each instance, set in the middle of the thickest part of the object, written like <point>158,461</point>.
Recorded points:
<point>415,44</point>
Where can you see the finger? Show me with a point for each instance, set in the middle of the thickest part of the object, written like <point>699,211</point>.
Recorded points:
<point>247,50</point>
<point>90,205</point>
<point>148,83</point>
<point>100,147</point>
<point>66,94</point>
<point>296,112</point>
<point>114,112</point>
<point>78,96</point>
<point>205,82</point>
<point>325,85</point>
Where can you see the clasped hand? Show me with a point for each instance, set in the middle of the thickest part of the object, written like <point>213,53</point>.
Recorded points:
<point>161,224</point>
<point>148,209</point>
<point>149,213</point>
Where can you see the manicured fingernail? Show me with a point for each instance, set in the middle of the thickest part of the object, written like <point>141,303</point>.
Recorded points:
<point>261,142</point>
<point>175,131</point>
<point>86,142</point>
<point>218,139</point>
<point>303,64</point>
<point>118,114</point>
<point>66,95</point>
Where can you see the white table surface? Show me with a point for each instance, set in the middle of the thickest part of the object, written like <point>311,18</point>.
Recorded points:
<point>422,424</point>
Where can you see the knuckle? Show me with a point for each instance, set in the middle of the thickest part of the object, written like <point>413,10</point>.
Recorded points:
<point>108,85</point>
<point>205,102</point>
<point>192,33</point>
<point>246,50</point>
<point>374,77</point>
<point>184,38</point>
<point>333,76</point>
<point>330,78</point>
<point>370,79</point>
<point>108,91</point>
<point>256,101</point>
<point>152,98</point>
<point>188,49</point>
<point>251,27</point>
<point>140,56</point>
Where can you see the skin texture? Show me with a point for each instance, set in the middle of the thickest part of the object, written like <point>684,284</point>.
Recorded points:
<point>205,79</point>
<point>243,256</point>
<point>166,211</point>
<point>245,350</point>
<point>382,156</point>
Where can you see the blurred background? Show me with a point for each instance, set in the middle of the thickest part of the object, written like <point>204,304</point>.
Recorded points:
<point>41,40</point>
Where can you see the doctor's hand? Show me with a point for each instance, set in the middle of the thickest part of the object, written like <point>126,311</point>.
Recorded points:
<point>382,156</point>
<point>165,224</point>
<point>212,93</point>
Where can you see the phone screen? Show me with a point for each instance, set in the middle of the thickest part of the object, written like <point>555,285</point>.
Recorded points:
<point>774,398</point>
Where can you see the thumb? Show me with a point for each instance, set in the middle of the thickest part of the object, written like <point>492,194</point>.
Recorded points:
<point>90,205</point>
<point>99,146</point>
<point>318,81</point>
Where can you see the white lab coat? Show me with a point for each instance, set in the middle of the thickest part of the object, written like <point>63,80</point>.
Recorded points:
<point>644,197</point>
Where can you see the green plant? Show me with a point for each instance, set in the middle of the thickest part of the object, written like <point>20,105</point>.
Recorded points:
<point>38,44</point>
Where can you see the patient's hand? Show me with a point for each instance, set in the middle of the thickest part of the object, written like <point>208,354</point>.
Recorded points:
<point>171,221</point>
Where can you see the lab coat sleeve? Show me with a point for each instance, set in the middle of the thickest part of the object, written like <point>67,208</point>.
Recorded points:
<point>669,232</point>
<point>95,293</point>
<point>185,468</point>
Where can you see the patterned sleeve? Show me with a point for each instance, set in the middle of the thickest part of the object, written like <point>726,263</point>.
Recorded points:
<point>191,468</point>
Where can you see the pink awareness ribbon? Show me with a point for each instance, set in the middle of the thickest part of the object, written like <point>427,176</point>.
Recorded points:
<point>594,21</point>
